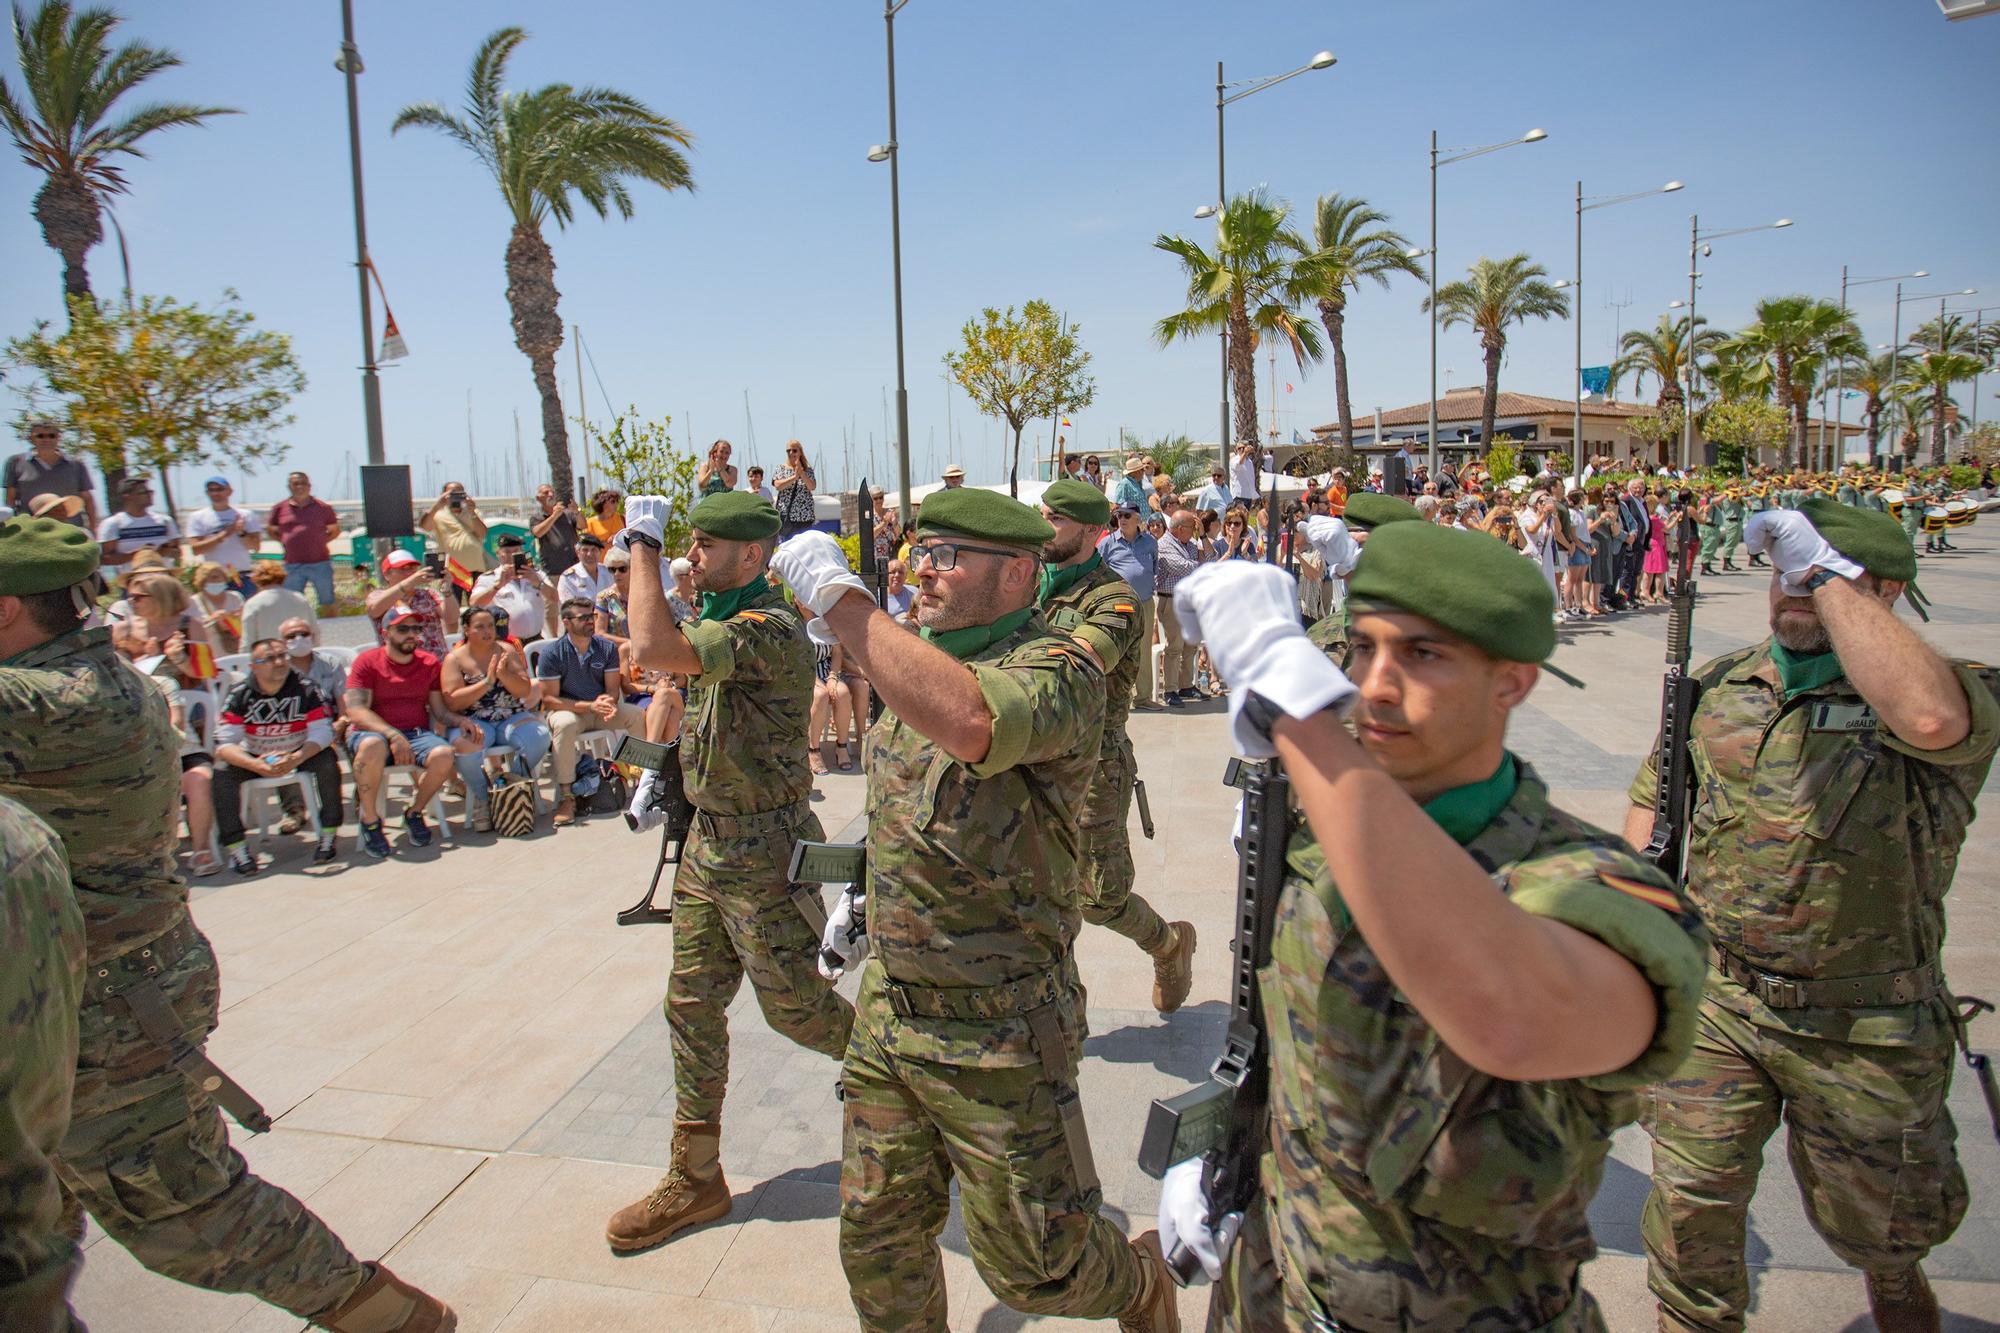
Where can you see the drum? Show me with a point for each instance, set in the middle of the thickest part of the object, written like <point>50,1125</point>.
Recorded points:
<point>1935,518</point>
<point>1959,513</point>
<point>1894,499</point>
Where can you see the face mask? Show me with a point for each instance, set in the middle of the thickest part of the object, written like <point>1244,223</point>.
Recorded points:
<point>215,589</point>
<point>299,645</point>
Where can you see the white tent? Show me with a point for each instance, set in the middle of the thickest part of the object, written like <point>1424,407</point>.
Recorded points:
<point>1031,492</point>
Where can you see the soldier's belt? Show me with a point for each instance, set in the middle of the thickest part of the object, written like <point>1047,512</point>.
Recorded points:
<point>135,967</point>
<point>1869,992</point>
<point>1005,1001</point>
<point>736,826</point>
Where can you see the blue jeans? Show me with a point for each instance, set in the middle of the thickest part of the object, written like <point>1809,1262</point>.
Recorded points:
<point>525,731</point>
<point>319,573</point>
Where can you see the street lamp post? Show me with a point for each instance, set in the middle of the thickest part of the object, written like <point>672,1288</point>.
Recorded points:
<point>891,152</point>
<point>1978,327</point>
<point>1839,405</point>
<point>1455,155</point>
<point>1576,317</point>
<point>1896,334</point>
<point>349,64</point>
<point>1696,248</point>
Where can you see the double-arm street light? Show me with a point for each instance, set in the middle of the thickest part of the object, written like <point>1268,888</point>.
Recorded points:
<point>348,62</point>
<point>1697,247</point>
<point>1583,206</point>
<point>1451,155</point>
<point>1896,335</point>
<point>890,152</point>
<point>1977,328</point>
<point>1839,403</point>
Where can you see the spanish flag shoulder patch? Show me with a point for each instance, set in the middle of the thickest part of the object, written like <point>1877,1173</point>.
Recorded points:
<point>757,616</point>
<point>1651,894</point>
<point>1124,608</point>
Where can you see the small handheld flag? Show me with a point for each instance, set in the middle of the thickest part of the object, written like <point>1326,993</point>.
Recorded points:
<point>460,575</point>
<point>200,662</point>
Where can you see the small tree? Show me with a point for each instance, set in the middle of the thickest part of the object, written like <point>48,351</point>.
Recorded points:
<point>1503,462</point>
<point>1655,428</point>
<point>640,459</point>
<point>1742,427</point>
<point>1980,446</point>
<point>163,384</point>
<point>1019,367</point>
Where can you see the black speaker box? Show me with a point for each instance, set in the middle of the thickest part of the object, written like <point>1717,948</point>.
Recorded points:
<point>385,500</point>
<point>1395,474</point>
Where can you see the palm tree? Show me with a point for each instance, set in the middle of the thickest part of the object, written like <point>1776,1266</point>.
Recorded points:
<point>1498,293</point>
<point>1249,286</point>
<point>1351,241</point>
<point>1795,334</point>
<point>1662,352</point>
<point>1875,378</point>
<point>1931,377</point>
<point>62,128</point>
<point>1958,336</point>
<point>544,149</point>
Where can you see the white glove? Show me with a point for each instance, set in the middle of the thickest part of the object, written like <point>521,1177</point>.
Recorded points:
<point>815,568</point>
<point>1796,548</point>
<point>1336,546</point>
<point>844,943</point>
<point>645,516</point>
<point>1248,616</point>
<point>1184,1220</point>
<point>821,633</point>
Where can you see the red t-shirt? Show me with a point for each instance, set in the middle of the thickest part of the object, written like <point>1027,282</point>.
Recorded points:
<point>301,529</point>
<point>402,689</point>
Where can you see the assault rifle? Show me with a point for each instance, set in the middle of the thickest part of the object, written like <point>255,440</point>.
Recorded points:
<point>1679,694</point>
<point>841,862</point>
<point>670,795</point>
<point>1221,1120</point>
<point>872,568</point>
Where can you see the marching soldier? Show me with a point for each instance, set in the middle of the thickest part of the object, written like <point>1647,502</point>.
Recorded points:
<point>1730,511</point>
<point>1447,1062</point>
<point>1708,521</point>
<point>743,764</point>
<point>1365,512</point>
<point>1839,761</point>
<point>87,744</point>
<point>41,984</point>
<point>1082,597</point>
<point>1914,505</point>
<point>969,1025</point>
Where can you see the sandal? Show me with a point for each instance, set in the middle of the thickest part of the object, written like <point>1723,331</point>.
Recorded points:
<point>846,760</point>
<point>818,764</point>
<point>202,865</point>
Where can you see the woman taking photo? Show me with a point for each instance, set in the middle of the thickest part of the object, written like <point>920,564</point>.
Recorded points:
<point>794,482</point>
<point>488,681</point>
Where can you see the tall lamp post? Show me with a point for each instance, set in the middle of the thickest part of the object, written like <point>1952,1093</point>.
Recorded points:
<point>1453,155</point>
<point>1576,314</point>
<point>1839,403</point>
<point>1896,335</point>
<point>1697,247</point>
<point>348,62</point>
<point>1977,328</point>
<point>891,152</point>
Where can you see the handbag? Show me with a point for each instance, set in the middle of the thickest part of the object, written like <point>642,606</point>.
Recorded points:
<point>611,795</point>
<point>510,801</point>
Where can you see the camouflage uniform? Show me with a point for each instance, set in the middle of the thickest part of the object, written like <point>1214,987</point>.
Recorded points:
<point>1708,521</point>
<point>1329,635</point>
<point>87,744</point>
<point>743,757</point>
<point>1101,611</point>
<point>1731,515</point>
<point>41,983</point>
<point>1820,848</point>
<point>1912,516</point>
<point>1403,1189</point>
<point>969,1021</point>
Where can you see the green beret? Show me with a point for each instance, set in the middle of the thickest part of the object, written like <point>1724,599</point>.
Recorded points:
<point>1078,500</point>
<point>985,514</point>
<point>1868,537</point>
<point>1478,588</point>
<point>1368,510</point>
<point>47,554</point>
<point>735,516</point>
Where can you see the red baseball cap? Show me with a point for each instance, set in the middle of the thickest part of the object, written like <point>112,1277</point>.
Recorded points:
<point>398,558</point>
<point>398,614</point>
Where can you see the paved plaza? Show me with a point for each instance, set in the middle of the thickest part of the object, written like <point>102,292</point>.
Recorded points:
<point>469,1069</point>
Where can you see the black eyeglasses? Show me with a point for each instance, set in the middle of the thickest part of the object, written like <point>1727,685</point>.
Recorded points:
<point>944,555</point>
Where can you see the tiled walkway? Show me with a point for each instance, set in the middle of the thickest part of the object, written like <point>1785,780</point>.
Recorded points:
<point>470,1071</point>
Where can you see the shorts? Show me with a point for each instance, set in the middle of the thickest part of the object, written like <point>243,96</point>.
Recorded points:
<point>195,760</point>
<point>422,741</point>
<point>1578,559</point>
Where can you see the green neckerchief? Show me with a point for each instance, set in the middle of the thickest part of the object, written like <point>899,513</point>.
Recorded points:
<point>963,643</point>
<point>1058,579</point>
<point>1799,672</point>
<point>723,605</point>
<point>1463,812</point>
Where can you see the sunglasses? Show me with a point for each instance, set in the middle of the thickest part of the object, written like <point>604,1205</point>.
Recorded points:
<point>268,660</point>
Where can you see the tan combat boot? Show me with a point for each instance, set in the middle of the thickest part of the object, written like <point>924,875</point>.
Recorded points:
<point>387,1304</point>
<point>1902,1301</point>
<point>693,1191</point>
<point>1154,1309</point>
<point>1173,968</point>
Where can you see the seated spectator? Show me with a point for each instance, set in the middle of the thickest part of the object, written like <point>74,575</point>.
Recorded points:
<point>584,691</point>
<point>408,585</point>
<point>515,586</point>
<point>274,723</point>
<point>396,714</point>
<point>322,669</point>
<point>683,598</point>
<point>898,597</point>
<point>613,622</point>
<point>487,681</point>
<point>219,605</point>
<point>588,576</point>
<point>162,623</point>
<point>188,708</point>
<point>272,604</point>
<point>143,566</point>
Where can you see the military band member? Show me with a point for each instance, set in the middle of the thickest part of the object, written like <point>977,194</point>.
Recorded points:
<point>969,1026</point>
<point>1467,986</point>
<point>1838,762</point>
<point>1080,596</point>
<point>743,767</point>
<point>86,743</point>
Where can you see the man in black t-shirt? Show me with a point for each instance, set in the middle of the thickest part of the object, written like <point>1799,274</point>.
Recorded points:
<point>275,723</point>
<point>555,545</point>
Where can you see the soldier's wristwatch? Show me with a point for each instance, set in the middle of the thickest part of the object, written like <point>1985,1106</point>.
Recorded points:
<point>643,539</point>
<point>1814,582</point>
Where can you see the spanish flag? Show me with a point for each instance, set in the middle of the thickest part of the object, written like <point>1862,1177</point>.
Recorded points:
<point>200,660</point>
<point>230,623</point>
<point>460,575</point>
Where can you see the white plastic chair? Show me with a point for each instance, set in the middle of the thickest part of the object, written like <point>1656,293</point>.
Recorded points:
<point>232,669</point>
<point>599,741</point>
<point>308,793</point>
<point>415,773</point>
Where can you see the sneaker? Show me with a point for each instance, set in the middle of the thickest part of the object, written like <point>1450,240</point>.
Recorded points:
<point>1174,700</point>
<point>329,843</point>
<point>240,859</point>
<point>293,821</point>
<point>419,832</point>
<point>374,841</point>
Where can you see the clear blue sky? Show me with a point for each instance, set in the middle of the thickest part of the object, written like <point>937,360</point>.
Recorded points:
<point>1044,146</point>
